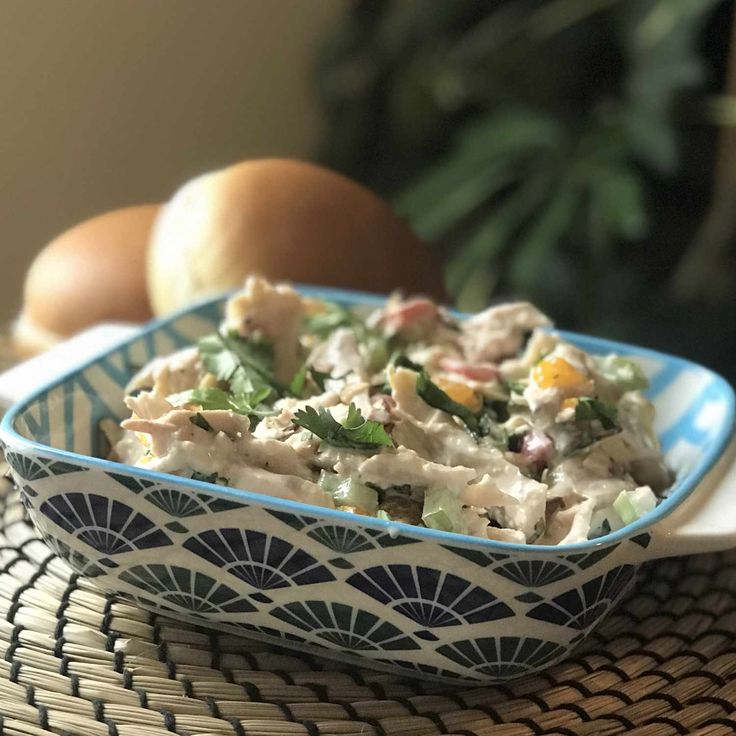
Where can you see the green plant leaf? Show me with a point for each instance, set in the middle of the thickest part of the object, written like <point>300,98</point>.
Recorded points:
<point>494,234</point>
<point>484,159</point>
<point>528,261</point>
<point>462,199</point>
<point>618,197</point>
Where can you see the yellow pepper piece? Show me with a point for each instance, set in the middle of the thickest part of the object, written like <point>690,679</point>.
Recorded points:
<point>570,403</point>
<point>557,373</point>
<point>461,393</point>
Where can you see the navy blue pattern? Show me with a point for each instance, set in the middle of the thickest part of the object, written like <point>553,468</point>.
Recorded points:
<point>272,633</point>
<point>534,573</point>
<point>59,467</point>
<point>109,526</point>
<point>27,468</point>
<point>186,589</point>
<point>579,608</point>
<point>476,556</point>
<point>502,657</point>
<point>642,540</point>
<point>346,540</point>
<point>584,561</point>
<point>344,626</point>
<point>132,484</point>
<point>76,560</point>
<point>181,504</point>
<point>430,597</point>
<point>342,539</point>
<point>420,668</point>
<point>262,561</point>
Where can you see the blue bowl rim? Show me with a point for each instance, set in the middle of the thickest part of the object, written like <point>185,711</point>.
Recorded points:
<point>681,489</point>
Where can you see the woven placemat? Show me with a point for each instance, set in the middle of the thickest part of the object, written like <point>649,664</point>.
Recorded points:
<point>75,661</point>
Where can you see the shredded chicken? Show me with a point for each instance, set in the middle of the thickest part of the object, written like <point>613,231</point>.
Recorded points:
<point>492,427</point>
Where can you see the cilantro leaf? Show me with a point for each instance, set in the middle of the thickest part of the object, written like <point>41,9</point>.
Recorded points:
<point>436,397</point>
<point>319,377</point>
<point>356,433</point>
<point>199,421</point>
<point>327,321</point>
<point>588,409</point>
<point>246,365</point>
<point>373,345</point>
<point>399,360</point>
<point>296,387</point>
<point>215,398</point>
<point>514,387</point>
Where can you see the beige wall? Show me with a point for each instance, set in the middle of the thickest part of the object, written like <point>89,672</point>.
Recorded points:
<point>106,103</point>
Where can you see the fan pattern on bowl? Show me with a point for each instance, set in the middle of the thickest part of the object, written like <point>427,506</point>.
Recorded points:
<point>344,626</point>
<point>326,583</point>
<point>429,597</point>
<point>186,589</point>
<point>108,526</point>
<point>261,561</point>
<point>253,568</point>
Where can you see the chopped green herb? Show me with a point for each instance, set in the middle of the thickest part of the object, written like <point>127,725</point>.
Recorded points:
<point>399,360</point>
<point>216,398</point>
<point>436,397</point>
<point>319,377</point>
<point>199,421</point>
<point>247,365</point>
<point>326,322</point>
<point>373,346</point>
<point>499,410</point>
<point>357,432</point>
<point>374,351</point>
<point>296,387</point>
<point>514,387</point>
<point>589,409</point>
<point>488,426</point>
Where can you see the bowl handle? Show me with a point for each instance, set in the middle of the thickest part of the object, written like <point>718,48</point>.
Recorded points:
<point>26,377</point>
<point>706,520</point>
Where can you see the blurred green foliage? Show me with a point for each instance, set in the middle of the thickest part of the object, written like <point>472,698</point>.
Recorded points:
<point>558,150</point>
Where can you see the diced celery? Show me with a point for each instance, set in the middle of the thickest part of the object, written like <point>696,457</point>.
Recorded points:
<point>375,353</point>
<point>625,373</point>
<point>443,511</point>
<point>603,521</point>
<point>351,492</point>
<point>381,514</point>
<point>632,505</point>
<point>329,481</point>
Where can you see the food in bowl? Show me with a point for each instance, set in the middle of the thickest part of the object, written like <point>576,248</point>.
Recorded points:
<point>491,426</point>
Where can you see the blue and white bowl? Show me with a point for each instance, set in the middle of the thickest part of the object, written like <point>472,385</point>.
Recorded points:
<point>362,590</point>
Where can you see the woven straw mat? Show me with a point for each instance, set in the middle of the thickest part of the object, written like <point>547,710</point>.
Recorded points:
<point>75,661</point>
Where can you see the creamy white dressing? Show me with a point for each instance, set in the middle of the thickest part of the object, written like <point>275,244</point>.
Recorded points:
<point>558,487</point>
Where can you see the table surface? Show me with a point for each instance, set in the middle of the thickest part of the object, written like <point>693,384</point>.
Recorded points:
<point>74,660</point>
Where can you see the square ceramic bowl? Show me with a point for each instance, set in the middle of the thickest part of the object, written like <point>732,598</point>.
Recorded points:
<point>362,590</point>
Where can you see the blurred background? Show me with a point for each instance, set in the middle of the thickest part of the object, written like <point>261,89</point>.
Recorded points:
<point>580,153</point>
